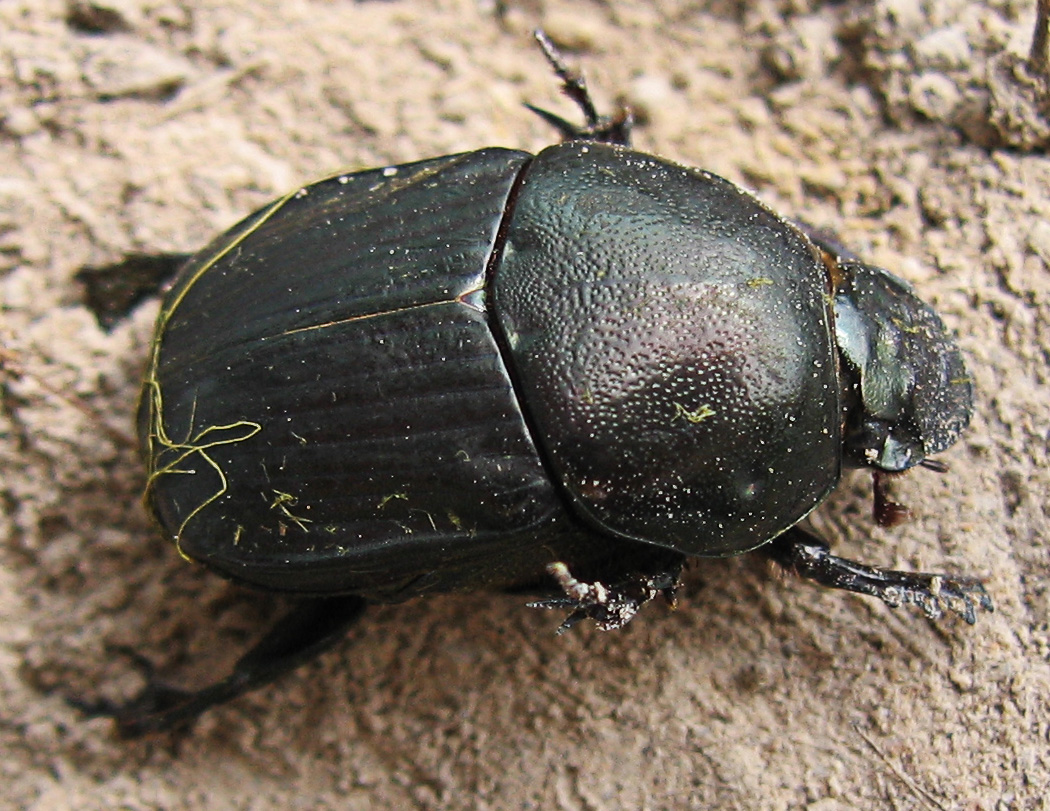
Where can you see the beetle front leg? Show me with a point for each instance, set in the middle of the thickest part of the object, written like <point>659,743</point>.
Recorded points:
<point>310,628</point>
<point>614,129</point>
<point>810,557</point>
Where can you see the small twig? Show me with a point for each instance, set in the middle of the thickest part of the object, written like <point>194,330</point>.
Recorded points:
<point>11,366</point>
<point>197,95</point>
<point>1039,55</point>
<point>916,789</point>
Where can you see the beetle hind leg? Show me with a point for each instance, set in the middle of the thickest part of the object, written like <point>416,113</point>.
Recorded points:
<point>310,628</point>
<point>810,557</point>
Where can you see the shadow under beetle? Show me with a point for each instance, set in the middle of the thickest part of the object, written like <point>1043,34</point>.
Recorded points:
<point>494,369</point>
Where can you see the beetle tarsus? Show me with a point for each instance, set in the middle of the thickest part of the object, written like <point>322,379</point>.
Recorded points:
<point>615,129</point>
<point>154,698</point>
<point>610,606</point>
<point>157,707</point>
<point>810,557</point>
<point>308,629</point>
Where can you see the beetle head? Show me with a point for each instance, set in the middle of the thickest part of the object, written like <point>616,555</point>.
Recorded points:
<point>908,394</point>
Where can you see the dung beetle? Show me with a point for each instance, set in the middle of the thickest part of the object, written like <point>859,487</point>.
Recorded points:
<point>567,372</point>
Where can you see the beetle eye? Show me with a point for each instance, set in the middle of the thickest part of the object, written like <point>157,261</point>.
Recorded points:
<point>916,396</point>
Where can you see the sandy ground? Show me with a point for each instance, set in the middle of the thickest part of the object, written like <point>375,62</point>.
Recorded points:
<point>892,122</point>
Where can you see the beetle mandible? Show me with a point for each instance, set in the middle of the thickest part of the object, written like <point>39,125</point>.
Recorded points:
<point>576,369</point>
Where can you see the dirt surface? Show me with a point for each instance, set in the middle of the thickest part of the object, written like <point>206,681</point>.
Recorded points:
<point>151,125</point>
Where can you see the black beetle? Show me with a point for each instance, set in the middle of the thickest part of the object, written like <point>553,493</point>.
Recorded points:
<point>496,369</point>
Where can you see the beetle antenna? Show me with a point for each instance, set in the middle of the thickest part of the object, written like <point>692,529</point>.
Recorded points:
<point>934,465</point>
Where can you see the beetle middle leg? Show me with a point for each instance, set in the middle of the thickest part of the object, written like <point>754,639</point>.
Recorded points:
<point>810,557</point>
<point>615,129</point>
<point>612,605</point>
<point>311,627</point>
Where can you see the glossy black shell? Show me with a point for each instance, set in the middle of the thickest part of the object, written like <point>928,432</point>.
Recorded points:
<point>452,373</point>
